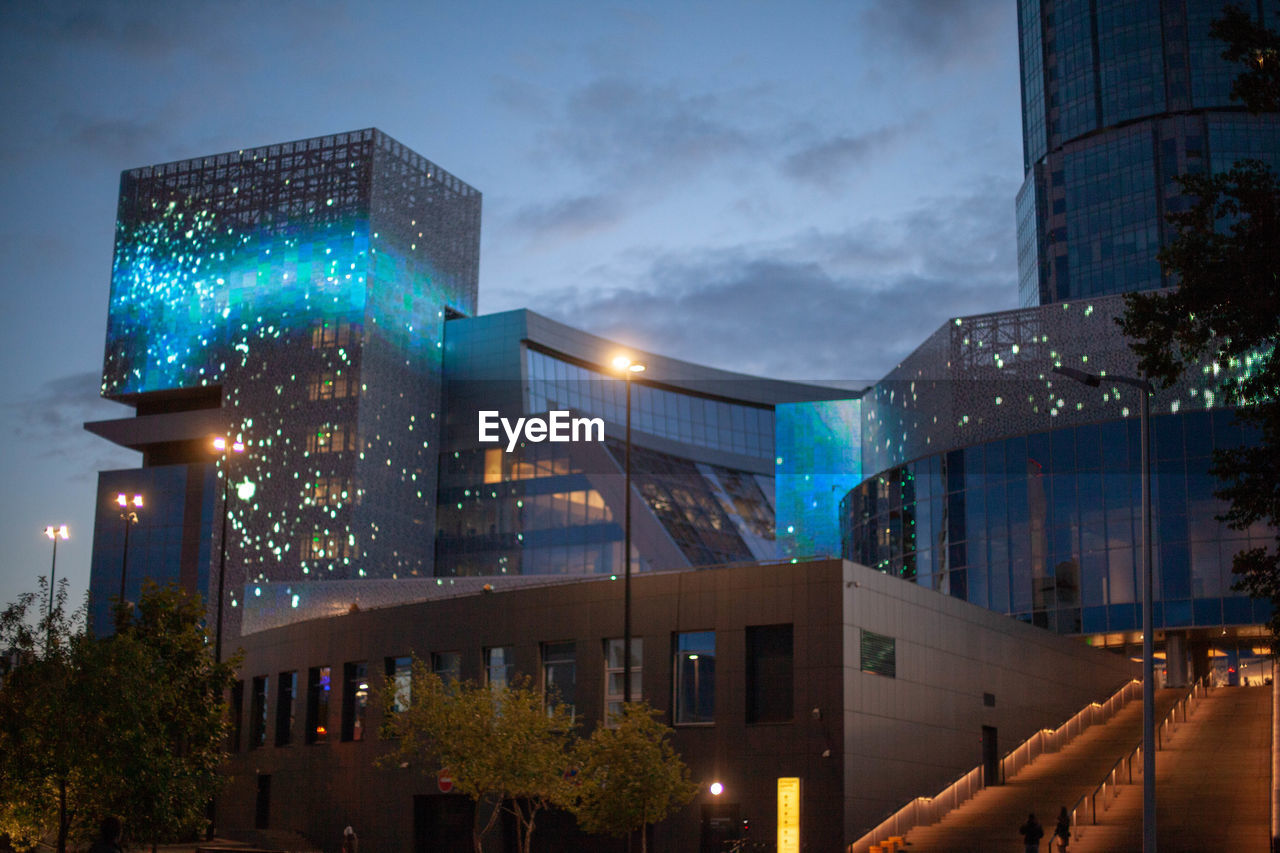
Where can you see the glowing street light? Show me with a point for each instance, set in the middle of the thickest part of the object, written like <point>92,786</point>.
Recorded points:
<point>129,507</point>
<point>55,533</point>
<point>1145,388</point>
<point>627,368</point>
<point>226,448</point>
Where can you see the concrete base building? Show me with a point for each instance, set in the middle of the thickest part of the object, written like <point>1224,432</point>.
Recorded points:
<point>868,688</point>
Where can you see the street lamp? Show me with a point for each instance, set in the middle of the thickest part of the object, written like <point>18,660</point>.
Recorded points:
<point>55,533</point>
<point>1148,656</point>
<point>130,518</point>
<point>627,367</point>
<point>224,447</point>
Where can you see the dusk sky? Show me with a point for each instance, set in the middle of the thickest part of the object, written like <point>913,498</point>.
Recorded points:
<point>801,190</point>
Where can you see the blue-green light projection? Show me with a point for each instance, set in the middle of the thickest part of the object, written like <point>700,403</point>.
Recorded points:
<point>187,291</point>
<point>819,459</point>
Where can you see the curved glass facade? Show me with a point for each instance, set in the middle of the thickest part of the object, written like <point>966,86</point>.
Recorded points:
<point>1119,98</point>
<point>1045,526</point>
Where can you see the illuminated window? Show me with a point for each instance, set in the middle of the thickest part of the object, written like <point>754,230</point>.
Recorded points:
<point>613,670</point>
<point>318,688</point>
<point>331,439</point>
<point>321,547</point>
<point>333,333</point>
<point>329,491</point>
<point>695,678</point>
<point>331,385</point>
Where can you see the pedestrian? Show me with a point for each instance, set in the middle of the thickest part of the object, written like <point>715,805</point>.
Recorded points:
<point>350,844</point>
<point>111,831</point>
<point>1032,832</point>
<point>1062,831</point>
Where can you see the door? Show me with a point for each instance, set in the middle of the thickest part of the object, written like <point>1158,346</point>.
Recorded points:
<point>990,757</point>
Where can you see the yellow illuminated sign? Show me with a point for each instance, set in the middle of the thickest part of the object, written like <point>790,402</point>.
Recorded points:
<point>788,814</point>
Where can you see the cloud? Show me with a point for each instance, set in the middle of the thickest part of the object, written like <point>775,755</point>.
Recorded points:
<point>568,216</point>
<point>50,424</point>
<point>641,133</point>
<point>939,36</point>
<point>823,163</point>
<point>822,306</point>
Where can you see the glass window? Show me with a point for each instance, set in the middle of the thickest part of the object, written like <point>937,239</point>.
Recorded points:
<point>559,665</point>
<point>286,697</point>
<point>878,654</point>
<point>258,713</point>
<point>695,677</point>
<point>447,665</point>
<point>355,699</point>
<point>237,717</point>
<point>498,668</point>
<point>399,681</point>
<point>318,687</point>
<point>769,674</point>
<point>613,692</point>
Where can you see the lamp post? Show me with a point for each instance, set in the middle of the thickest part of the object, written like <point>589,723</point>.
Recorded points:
<point>224,447</point>
<point>1148,655</point>
<point>55,533</point>
<point>130,518</point>
<point>626,367</point>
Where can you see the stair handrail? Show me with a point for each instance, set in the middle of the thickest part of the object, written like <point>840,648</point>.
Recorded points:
<point>922,811</point>
<point>1111,778</point>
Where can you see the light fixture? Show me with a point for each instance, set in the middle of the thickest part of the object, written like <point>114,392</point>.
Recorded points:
<point>716,789</point>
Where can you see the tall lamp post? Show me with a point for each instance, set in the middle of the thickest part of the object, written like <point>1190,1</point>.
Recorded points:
<point>55,533</point>
<point>129,507</point>
<point>1093,380</point>
<point>627,367</point>
<point>224,447</point>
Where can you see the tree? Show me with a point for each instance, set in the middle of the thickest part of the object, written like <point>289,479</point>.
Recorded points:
<point>499,744</point>
<point>45,763</point>
<point>629,776</point>
<point>1226,308</point>
<point>131,725</point>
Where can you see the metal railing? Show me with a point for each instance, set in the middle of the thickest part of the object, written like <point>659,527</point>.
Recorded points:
<point>923,811</point>
<point>1121,773</point>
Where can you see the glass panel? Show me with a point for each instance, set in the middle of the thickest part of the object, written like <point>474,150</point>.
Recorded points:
<point>695,671</point>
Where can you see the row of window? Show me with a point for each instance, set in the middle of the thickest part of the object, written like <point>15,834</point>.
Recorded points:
<point>768,672</point>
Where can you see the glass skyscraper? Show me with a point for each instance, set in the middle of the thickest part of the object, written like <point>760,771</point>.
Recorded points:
<point>1119,98</point>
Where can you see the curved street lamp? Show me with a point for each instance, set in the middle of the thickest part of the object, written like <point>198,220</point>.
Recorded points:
<point>627,368</point>
<point>1093,380</point>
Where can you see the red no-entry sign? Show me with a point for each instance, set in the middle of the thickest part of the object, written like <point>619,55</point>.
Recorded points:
<point>444,781</point>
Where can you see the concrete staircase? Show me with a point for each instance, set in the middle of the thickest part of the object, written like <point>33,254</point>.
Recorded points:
<point>990,821</point>
<point>1213,778</point>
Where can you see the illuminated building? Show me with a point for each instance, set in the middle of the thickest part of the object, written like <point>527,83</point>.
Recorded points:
<point>314,300</point>
<point>295,296</point>
<point>1118,99</point>
<point>987,477</point>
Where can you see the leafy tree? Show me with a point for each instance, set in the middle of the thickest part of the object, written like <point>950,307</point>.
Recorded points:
<point>499,743</point>
<point>629,776</point>
<point>129,725</point>
<point>1226,308</point>
<point>47,766</point>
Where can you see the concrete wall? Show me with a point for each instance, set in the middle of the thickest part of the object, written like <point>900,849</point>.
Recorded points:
<point>913,734</point>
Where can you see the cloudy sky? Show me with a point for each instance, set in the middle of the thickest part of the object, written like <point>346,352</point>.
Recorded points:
<point>801,190</point>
